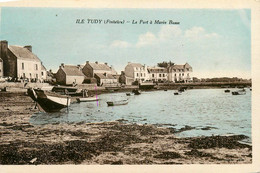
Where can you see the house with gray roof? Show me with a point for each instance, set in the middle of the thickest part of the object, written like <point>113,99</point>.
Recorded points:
<point>180,73</point>
<point>70,75</point>
<point>102,72</point>
<point>157,74</point>
<point>20,62</point>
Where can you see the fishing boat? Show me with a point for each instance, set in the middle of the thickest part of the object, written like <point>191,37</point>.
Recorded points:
<point>87,99</point>
<point>49,101</point>
<point>227,91</point>
<point>239,92</point>
<point>116,103</point>
<point>128,94</point>
<point>136,92</point>
<point>177,93</point>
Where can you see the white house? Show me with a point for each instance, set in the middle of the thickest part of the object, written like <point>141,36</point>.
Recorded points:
<point>158,74</point>
<point>135,72</point>
<point>180,73</point>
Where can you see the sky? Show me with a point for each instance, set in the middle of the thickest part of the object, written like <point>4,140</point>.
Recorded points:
<point>215,42</point>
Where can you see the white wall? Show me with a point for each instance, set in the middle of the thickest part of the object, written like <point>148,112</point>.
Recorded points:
<point>29,68</point>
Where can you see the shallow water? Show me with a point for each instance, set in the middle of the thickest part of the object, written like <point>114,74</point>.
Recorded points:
<point>222,112</point>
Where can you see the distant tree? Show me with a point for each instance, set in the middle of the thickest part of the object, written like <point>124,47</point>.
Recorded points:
<point>165,64</point>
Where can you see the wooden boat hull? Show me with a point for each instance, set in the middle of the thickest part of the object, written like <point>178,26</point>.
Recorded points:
<point>48,102</point>
<point>116,103</point>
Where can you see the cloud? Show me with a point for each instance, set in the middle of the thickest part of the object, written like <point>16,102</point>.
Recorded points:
<point>146,39</point>
<point>174,34</point>
<point>196,33</point>
<point>169,32</point>
<point>120,44</point>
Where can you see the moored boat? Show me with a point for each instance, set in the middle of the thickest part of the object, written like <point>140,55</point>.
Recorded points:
<point>227,91</point>
<point>128,94</point>
<point>239,92</point>
<point>177,93</point>
<point>87,99</point>
<point>136,92</point>
<point>116,103</point>
<point>49,101</point>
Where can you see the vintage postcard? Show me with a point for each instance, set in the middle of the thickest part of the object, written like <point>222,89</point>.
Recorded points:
<point>170,87</point>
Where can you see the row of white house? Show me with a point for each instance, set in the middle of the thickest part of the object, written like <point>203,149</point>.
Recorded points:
<point>141,73</point>
<point>103,74</point>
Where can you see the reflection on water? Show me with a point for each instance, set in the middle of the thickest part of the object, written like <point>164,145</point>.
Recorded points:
<point>221,112</point>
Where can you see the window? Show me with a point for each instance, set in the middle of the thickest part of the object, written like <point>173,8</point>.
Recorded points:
<point>22,66</point>
<point>182,74</point>
<point>152,75</point>
<point>36,76</point>
<point>179,74</point>
<point>188,74</point>
<point>163,75</point>
<point>141,74</point>
<point>42,73</point>
<point>144,74</point>
<point>136,74</point>
<point>36,66</point>
<point>160,75</point>
<point>175,74</point>
<point>24,76</point>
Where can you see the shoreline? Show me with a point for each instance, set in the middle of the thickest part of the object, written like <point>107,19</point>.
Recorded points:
<point>105,143</point>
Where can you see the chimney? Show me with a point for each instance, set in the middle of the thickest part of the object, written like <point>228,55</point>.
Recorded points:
<point>79,66</point>
<point>129,62</point>
<point>62,65</point>
<point>106,63</point>
<point>3,49</point>
<point>87,62</point>
<point>29,47</point>
<point>96,62</point>
<point>3,56</point>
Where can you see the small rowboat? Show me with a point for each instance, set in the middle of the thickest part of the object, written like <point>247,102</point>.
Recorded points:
<point>116,103</point>
<point>177,93</point>
<point>239,92</point>
<point>227,91</point>
<point>87,99</point>
<point>136,92</point>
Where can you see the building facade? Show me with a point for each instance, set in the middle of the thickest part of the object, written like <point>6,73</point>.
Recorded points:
<point>105,79</point>
<point>135,72</point>
<point>102,72</point>
<point>20,62</point>
<point>180,73</point>
<point>157,74</point>
<point>69,75</point>
<point>172,73</point>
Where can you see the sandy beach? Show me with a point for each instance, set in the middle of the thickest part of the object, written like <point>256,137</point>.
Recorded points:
<point>105,143</point>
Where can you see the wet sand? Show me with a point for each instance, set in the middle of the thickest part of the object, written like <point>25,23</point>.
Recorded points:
<point>105,143</point>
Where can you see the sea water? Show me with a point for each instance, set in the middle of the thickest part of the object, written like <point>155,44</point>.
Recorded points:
<point>207,111</point>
